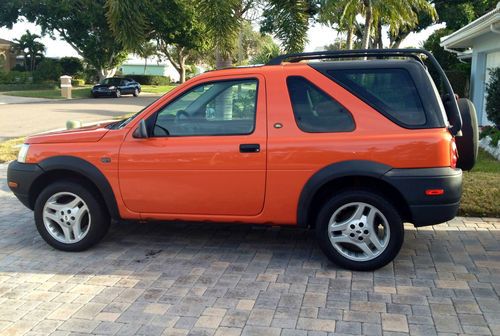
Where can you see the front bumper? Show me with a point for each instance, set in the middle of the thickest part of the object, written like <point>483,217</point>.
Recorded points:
<point>107,93</point>
<point>24,175</point>
<point>426,209</point>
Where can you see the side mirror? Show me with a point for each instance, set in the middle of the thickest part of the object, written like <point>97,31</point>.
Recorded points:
<point>141,132</point>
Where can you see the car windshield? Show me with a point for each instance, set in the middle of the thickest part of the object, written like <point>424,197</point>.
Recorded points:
<point>124,122</point>
<point>111,81</point>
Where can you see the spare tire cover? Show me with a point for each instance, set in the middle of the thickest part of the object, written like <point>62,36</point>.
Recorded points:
<point>467,144</point>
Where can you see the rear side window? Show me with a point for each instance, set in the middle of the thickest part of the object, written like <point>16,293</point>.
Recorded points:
<point>314,110</point>
<point>390,91</point>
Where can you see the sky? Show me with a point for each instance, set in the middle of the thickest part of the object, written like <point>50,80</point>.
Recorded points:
<point>318,36</point>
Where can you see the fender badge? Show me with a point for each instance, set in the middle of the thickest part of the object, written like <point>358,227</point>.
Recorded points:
<point>278,125</point>
<point>105,160</point>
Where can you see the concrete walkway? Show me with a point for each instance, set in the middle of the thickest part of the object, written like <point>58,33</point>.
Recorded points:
<point>5,99</point>
<point>218,279</point>
<point>21,119</point>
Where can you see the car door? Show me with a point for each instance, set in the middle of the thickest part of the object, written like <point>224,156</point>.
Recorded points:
<point>206,154</point>
<point>125,87</point>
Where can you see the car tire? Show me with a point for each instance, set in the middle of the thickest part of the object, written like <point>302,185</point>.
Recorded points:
<point>94,95</point>
<point>118,94</point>
<point>359,230</point>
<point>467,144</point>
<point>136,92</point>
<point>70,217</point>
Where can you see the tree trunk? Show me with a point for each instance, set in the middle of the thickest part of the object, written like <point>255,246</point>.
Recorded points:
<point>222,61</point>
<point>380,43</point>
<point>224,101</point>
<point>350,33</point>
<point>105,73</point>
<point>182,68</point>
<point>145,64</point>
<point>368,24</point>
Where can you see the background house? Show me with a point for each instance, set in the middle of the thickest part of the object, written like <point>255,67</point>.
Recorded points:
<point>134,65</point>
<point>7,57</point>
<point>480,41</point>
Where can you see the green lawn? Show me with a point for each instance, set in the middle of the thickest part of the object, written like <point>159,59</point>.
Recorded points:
<point>481,188</point>
<point>81,92</point>
<point>161,89</point>
<point>77,92</point>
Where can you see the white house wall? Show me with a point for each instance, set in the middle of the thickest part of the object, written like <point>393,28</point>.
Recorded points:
<point>486,49</point>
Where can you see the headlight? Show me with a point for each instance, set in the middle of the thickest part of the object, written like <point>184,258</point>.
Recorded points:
<point>112,87</point>
<point>23,152</point>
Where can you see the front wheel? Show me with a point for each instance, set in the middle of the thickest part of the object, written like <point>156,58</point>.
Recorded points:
<point>136,92</point>
<point>359,230</point>
<point>118,94</point>
<point>70,217</point>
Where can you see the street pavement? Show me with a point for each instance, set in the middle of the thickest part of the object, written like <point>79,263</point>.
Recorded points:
<point>27,118</point>
<point>218,279</point>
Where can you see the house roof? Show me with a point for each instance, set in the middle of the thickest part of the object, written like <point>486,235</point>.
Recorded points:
<point>2,41</point>
<point>463,38</point>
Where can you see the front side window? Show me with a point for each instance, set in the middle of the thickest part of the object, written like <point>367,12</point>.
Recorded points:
<point>390,91</point>
<point>215,108</point>
<point>315,111</point>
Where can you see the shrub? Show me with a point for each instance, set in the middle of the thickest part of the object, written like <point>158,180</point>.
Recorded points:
<point>492,132</point>
<point>150,79</point>
<point>48,69</point>
<point>15,77</point>
<point>24,87</point>
<point>77,82</point>
<point>493,97</point>
<point>71,66</point>
<point>459,81</point>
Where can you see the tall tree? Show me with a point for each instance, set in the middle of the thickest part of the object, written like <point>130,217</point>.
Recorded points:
<point>458,13</point>
<point>401,16</point>
<point>175,26</point>
<point>223,21</point>
<point>30,48</point>
<point>288,20</point>
<point>81,23</point>
<point>147,50</point>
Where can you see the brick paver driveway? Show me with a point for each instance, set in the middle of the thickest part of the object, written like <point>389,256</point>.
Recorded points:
<point>196,279</point>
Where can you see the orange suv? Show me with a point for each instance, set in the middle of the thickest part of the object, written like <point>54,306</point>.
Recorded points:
<point>349,143</point>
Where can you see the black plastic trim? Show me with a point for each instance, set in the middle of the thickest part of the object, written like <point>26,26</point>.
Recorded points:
<point>88,170</point>
<point>410,183</point>
<point>330,173</point>
<point>24,174</point>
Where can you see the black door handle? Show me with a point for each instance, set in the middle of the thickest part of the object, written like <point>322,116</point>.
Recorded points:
<point>249,148</point>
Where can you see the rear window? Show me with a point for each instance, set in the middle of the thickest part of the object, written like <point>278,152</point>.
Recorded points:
<point>314,110</point>
<point>390,91</point>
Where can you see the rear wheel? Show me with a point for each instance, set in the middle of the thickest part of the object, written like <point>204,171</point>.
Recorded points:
<point>69,217</point>
<point>467,144</point>
<point>359,230</point>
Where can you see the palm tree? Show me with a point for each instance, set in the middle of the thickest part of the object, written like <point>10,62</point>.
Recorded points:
<point>145,51</point>
<point>397,14</point>
<point>30,48</point>
<point>288,20</point>
<point>223,21</point>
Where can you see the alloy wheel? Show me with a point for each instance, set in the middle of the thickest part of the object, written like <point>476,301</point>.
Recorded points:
<point>66,217</point>
<point>359,231</point>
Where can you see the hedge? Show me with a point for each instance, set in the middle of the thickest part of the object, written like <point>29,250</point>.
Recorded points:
<point>77,82</point>
<point>459,81</point>
<point>24,87</point>
<point>149,79</point>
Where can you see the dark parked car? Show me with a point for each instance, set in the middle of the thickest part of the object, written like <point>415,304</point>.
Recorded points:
<point>115,87</point>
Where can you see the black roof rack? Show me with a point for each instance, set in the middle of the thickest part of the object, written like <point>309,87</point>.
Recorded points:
<point>379,53</point>
<point>449,100</point>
